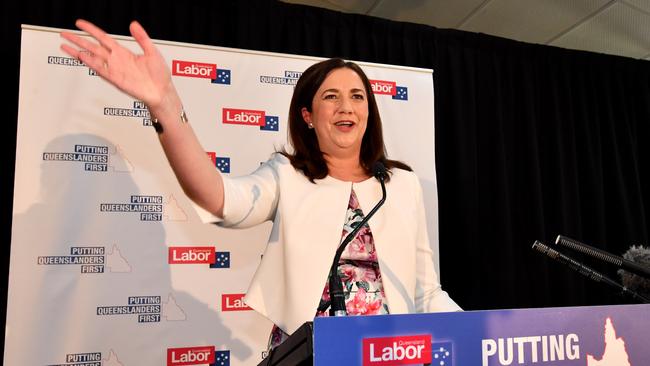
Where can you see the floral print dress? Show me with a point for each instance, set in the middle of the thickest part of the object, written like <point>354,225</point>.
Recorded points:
<point>359,273</point>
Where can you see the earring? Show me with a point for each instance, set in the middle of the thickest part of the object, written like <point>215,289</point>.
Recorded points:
<point>311,125</point>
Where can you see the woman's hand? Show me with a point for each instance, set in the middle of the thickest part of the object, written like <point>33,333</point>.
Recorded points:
<point>145,77</point>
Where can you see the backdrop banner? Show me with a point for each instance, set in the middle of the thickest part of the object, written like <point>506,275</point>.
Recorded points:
<point>110,264</point>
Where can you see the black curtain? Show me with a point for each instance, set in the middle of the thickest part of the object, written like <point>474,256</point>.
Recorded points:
<point>531,141</point>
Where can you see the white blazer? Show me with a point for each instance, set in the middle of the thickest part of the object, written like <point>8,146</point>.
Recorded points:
<point>308,220</point>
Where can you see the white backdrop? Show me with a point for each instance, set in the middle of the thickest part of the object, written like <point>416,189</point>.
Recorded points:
<point>110,264</point>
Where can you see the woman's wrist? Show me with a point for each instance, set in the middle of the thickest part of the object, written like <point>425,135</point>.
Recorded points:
<point>168,110</point>
<point>182,117</point>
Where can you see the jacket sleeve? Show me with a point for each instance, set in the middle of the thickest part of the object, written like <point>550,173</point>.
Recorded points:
<point>429,295</point>
<point>248,200</point>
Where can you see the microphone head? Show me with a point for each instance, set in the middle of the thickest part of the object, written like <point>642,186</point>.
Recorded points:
<point>379,170</point>
<point>639,284</point>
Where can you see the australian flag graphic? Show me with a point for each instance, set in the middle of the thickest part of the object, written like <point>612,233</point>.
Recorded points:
<point>223,164</point>
<point>441,354</point>
<point>221,260</point>
<point>223,77</point>
<point>271,123</point>
<point>401,93</point>
<point>221,358</point>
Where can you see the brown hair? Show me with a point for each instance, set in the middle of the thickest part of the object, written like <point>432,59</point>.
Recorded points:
<point>307,156</point>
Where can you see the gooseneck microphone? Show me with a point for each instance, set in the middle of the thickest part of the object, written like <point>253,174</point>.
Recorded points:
<point>337,296</point>
<point>585,271</point>
<point>602,255</point>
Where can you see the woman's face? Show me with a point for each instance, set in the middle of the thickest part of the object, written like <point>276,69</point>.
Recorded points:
<point>339,113</point>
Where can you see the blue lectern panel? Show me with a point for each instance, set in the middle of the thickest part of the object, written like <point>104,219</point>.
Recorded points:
<point>591,336</point>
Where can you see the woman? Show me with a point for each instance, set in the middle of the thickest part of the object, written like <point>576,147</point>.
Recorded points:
<point>309,194</point>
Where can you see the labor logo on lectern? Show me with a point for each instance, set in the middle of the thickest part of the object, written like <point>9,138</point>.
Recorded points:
<point>397,350</point>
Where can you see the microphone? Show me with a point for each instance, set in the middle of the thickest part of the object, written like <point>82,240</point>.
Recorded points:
<point>379,171</point>
<point>640,255</point>
<point>337,297</point>
<point>585,271</point>
<point>623,263</point>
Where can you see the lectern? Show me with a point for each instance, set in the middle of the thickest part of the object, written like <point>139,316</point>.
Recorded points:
<point>590,335</point>
<point>296,350</point>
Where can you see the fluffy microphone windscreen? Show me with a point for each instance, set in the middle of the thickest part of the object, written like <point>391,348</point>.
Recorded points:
<point>638,284</point>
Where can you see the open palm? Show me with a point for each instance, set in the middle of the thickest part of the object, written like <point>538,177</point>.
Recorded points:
<point>145,76</point>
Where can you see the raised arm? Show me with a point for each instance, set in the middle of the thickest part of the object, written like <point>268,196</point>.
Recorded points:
<point>146,77</point>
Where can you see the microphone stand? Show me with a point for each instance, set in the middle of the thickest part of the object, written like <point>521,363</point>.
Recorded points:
<point>337,296</point>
